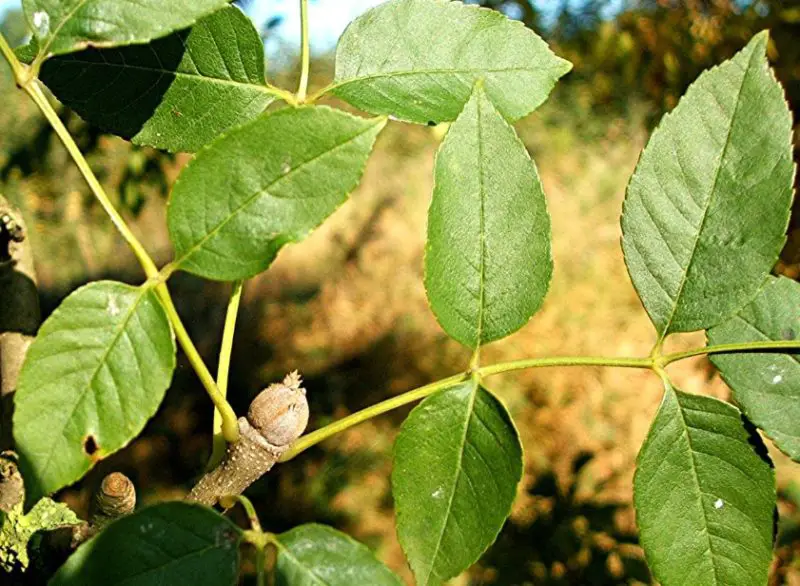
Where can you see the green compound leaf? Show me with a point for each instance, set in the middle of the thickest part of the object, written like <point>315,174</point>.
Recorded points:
<point>315,555</point>
<point>17,530</point>
<point>263,185</point>
<point>419,59</point>
<point>766,385</point>
<point>175,93</point>
<point>65,26</point>
<point>457,462</point>
<point>707,207</point>
<point>488,262</point>
<point>169,543</point>
<point>704,493</point>
<point>94,375</point>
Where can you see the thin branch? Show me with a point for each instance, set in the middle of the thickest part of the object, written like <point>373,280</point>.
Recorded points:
<point>276,418</point>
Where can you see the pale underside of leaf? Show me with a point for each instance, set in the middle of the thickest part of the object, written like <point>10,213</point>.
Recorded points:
<point>176,93</point>
<point>704,493</point>
<point>98,369</point>
<point>488,260</point>
<point>766,385</point>
<point>418,60</point>
<point>707,208</point>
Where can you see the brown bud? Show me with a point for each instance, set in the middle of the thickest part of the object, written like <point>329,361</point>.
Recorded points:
<point>116,496</point>
<point>280,412</point>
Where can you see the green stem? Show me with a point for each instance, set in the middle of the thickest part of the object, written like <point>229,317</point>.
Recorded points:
<point>228,502</point>
<point>305,52</point>
<point>18,69</point>
<point>566,361</point>
<point>319,435</point>
<point>31,86</point>
<point>767,345</point>
<point>654,363</point>
<point>230,426</point>
<point>261,566</point>
<point>223,369</point>
<point>283,94</point>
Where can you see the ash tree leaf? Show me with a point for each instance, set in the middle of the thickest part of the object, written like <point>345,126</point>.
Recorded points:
<point>419,59</point>
<point>488,261</point>
<point>96,372</point>
<point>175,93</point>
<point>766,385</point>
<point>707,208</point>
<point>457,462</point>
<point>17,530</point>
<point>169,543</point>
<point>704,493</point>
<point>65,26</point>
<point>311,555</point>
<point>263,185</point>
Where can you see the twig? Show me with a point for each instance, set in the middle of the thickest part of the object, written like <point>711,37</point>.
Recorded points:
<point>276,418</point>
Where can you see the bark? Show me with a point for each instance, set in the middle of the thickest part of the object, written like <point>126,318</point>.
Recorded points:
<point>19,320</point>
<point>276,418</point>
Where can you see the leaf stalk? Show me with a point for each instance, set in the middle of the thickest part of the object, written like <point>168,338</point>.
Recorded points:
<point>30,85</point>
<point>305,53</point>
<point>656,364</point>
<point>223,370</point>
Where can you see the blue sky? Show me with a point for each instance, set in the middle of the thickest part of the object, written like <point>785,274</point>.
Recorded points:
<point>327,18</point>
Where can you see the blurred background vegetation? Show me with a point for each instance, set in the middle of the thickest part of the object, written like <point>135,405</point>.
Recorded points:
<point>347,306</point>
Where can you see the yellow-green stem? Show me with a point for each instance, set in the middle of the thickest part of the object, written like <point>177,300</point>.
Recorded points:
<point>654,363</point>
<point>18,69</point>
<point>305,53</point>
<point>317,436</point>
<point>565,361</point>
<point>223,369</point>
<point>229,501</point>
<point>33,89</point>
<point>768,345</point>
<point>30,85</point>
<point>230,426</point>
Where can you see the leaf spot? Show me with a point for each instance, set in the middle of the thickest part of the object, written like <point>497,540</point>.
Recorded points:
<point>718,504</point>
<point>113,308</point>
<point>90,445</point>
<point>41,22</point>
<point>776,379</point>
<point>438,493</point>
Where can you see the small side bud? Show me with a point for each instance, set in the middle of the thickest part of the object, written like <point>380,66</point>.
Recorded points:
<point>280,412</point>
<point>115,498</point>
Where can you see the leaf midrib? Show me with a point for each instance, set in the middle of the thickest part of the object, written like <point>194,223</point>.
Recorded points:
<point>265,191</point>
<point>697,482</point>
<point>481,226</point>
<point>46,47</point>
<point>717,173</point>
<point>155,70</point>
<point>462,444</point>
<point>123,325</point>
<point>437,71</point>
